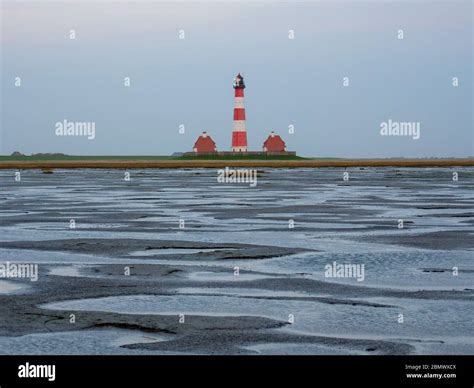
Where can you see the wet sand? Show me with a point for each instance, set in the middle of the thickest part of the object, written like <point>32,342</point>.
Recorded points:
<point>191,271</point>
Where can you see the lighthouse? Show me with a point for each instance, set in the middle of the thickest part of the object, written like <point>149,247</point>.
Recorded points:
<point>239,132</point>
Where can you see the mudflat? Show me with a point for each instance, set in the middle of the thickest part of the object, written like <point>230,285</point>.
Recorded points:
<point>234,277</point>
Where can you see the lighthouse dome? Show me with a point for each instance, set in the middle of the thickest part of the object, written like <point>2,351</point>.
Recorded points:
<point>239,82</point>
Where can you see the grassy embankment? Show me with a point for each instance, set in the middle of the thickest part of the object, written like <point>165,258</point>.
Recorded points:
<point>34,158</point>
<point>50,162</point>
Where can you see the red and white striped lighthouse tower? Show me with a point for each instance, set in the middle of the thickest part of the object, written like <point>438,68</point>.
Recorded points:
<point>239,132</point>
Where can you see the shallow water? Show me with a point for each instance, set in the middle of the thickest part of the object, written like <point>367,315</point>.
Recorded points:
<point>334,221</point>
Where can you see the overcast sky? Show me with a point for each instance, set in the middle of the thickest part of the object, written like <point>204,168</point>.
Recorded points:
<point>188,81</point>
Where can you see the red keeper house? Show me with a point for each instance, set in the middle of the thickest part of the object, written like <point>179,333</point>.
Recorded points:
<point>274,143</point>
<point>205,144</point>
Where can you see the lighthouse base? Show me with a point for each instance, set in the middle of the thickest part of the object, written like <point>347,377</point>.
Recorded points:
<point>239,149</point>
